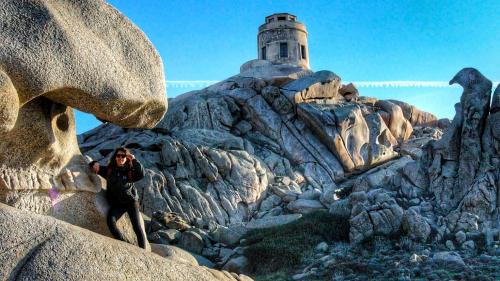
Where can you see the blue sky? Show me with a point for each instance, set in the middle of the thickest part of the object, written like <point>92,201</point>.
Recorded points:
<point>358,40</point>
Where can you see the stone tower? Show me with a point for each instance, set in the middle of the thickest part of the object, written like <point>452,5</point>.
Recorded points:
<point>283,40</point>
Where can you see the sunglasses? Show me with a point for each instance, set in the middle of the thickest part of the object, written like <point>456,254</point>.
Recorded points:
<point>121,155</point>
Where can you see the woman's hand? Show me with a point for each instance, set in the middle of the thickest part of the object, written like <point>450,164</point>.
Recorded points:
<point>95,167</point>
<point>130,157</point>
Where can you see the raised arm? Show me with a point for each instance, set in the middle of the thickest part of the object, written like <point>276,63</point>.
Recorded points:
<point>137,170</point>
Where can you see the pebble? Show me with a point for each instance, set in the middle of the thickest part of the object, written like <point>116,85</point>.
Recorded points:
<point>322,247</point>
<point>449,245</point>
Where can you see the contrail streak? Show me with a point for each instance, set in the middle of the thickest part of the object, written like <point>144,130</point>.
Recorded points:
<point>359,84</point>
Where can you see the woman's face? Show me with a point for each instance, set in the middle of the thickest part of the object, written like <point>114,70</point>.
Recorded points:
<point>121,158</point>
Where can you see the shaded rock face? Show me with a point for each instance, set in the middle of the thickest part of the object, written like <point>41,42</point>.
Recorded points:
<point>448,186</point>
<point>457,156</point>
<point>464,166</point>
<point>59,56</point>
<point>36,247</point>
<point>250,149</point>
<point>373,213</point>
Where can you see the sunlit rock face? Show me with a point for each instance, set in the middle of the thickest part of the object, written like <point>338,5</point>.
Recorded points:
<point>268,142</point>
<point>59,55</point>
<point>36,247</point>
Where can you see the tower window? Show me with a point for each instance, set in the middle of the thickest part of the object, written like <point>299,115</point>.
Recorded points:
<point>283,50</point>
<point>303,51</point>
<point>263,53</point>
<point>270,20</point>
<point>281,18</point>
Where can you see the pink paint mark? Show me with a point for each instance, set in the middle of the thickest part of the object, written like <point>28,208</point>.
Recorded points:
<point>54,195</point>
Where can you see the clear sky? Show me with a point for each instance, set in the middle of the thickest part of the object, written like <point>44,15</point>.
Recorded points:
<point>420,40</point>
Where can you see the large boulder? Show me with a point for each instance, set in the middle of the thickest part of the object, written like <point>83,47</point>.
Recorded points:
<point>373,213</point>
<point>320,85</point>
<point>415,226</point>
<point>463,166</point>
<point>42,248</point>
<point>103,65</point>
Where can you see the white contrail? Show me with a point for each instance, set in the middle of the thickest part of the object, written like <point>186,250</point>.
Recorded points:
<point>359,84</point>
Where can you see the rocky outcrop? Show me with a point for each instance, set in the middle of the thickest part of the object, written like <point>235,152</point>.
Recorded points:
<point>42,248</point>
<point>103,65</point>
<point>373,213</point>
<point>457,156</point>
<point>248,148</point>
<point>463,167</point>
<point>450,185</point>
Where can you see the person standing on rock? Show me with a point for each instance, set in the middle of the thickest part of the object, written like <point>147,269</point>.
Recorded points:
<point>120,174</point>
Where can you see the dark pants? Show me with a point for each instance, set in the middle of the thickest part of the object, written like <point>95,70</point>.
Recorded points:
<point>115,213</point>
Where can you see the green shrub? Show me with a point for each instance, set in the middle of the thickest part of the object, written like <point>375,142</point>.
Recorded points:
<point>281,248</point>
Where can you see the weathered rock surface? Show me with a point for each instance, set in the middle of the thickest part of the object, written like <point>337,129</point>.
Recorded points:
<point>463,167</point>
<point>448,183</point>
<point>305,206</point>
<point>448,258</point>
<point>245,148</point>
<point>104,65</point>
<point>273,221</point>
<point>174,253</point>
<point>42,248</point>
<point>416,227</point>
<point>373,213</point>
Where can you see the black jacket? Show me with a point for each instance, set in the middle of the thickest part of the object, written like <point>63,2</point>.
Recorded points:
<point>120,182</point>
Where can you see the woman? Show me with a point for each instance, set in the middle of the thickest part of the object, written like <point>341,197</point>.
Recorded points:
<point>120,174</point>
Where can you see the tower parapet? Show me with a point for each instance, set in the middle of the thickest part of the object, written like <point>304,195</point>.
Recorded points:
<point>283,40</point>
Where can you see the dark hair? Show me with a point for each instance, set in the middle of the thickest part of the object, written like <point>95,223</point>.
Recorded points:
<point>91,164</point>
<point>112,160</point>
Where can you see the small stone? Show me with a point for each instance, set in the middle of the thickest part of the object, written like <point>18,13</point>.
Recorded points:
<point>286,180</point>
<point>460,237</point>
<point>304,206</point>
<point>239,250</point>
<point>415,258</point>
<point>301,276</point>
<point>225,254</point>
<point>276,211</point>
<point>191,241</point>
<point>171,220</point>
<point>469,245</point>
<point>321,247</point>
<point>425,207</point>
<point>155,238</point>
<point>243,127</point>
<point>237,265</point>
<point>414,201</point>
<point>449,245</point>
<point>171,235</point>
<point>210,253</point>
<point>448,258</point>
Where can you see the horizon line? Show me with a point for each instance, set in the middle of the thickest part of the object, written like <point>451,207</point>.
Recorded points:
<point>359,84</point>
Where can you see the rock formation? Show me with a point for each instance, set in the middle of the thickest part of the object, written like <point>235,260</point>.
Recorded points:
<point>59,56</point>
<point>451,187</point>
<point>252,150</point>
<point>36,247</point>
<point>464,166</point>
<point>55,57</point>
<point>257,150</point>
